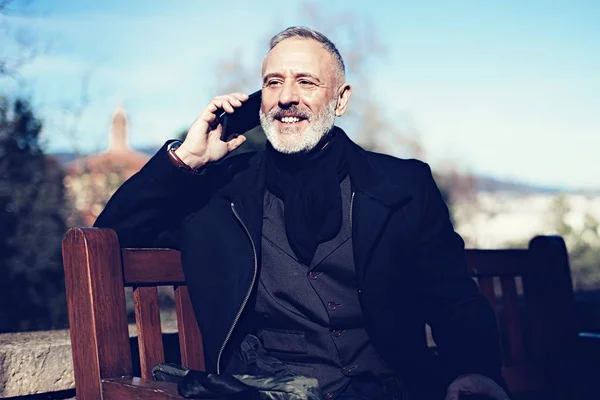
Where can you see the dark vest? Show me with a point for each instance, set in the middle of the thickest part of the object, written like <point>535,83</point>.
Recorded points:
<point>309,317</point>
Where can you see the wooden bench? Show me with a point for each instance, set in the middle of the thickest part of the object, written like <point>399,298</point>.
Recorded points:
<point>530,289</point>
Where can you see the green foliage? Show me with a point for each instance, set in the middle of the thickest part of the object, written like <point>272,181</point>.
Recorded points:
<point>32,201</point>
<point>583,244</point>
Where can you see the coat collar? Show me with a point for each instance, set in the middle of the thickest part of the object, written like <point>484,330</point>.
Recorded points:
<point>244,176</point>
<point>241,176</point>
<point>371,181</point>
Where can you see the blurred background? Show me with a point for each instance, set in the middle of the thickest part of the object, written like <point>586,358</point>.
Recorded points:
<point>501,98</point>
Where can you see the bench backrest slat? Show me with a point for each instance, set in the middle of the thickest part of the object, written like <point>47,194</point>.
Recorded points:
<point>514,320</point>
<point>486,287</point>
<point>190,339</point>
<point>147,318</point>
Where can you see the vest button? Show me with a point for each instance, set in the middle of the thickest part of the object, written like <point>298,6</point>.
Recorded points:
<point>332,305</point>
<point>329,395</point>
<point>312,275</point>
<point>349,368</point>
<point>337,333</point>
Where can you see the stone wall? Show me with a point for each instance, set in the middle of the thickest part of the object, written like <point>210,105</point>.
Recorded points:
<point>35,362</point>
<point>40,362</point>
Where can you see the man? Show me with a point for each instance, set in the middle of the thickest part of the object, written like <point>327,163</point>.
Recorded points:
<point>333,257</point>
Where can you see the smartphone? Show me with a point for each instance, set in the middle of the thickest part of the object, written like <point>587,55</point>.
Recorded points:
<point>243,119</point>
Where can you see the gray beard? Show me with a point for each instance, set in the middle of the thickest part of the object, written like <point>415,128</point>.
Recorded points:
<point>292,140</point>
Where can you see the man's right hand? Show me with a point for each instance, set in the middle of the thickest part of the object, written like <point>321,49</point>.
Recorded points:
<point>203,143</point>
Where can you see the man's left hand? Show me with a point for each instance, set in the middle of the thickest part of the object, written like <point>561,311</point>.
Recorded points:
<point>475,384</point>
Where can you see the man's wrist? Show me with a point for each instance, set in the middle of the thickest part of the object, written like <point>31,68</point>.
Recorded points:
<point>183,158</point>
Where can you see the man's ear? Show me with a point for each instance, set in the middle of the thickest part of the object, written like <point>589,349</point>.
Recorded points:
<point>344,93</point>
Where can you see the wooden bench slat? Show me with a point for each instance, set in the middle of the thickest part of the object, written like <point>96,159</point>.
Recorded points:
<point>522,378</point>
<point>136,388</point>
<point>152,267</point>
<point>190,339</point>
<point>486,286</point>
<point>488,263</point>
<point>514,327</point>
<point>147,318</point>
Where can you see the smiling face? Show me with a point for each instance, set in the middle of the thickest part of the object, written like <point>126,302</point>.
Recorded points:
<point>302,94</point>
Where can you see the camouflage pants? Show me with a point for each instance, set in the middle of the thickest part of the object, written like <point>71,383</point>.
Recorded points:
<point>201,385</point>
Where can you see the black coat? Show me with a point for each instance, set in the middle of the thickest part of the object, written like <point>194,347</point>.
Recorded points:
<point>410,263</point>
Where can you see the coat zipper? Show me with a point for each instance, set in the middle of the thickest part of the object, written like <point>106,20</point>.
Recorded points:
<point>351,208</point>
<point>237,317</point>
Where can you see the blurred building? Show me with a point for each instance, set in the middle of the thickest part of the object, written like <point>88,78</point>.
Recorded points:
<point>91,180</point>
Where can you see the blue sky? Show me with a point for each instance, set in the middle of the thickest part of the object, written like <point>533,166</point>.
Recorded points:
<point>503,88</point>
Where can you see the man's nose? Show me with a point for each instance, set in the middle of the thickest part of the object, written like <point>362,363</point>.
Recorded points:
<point>288,95</point>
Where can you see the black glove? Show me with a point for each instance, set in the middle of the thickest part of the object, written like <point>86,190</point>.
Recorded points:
<point>193,384</point>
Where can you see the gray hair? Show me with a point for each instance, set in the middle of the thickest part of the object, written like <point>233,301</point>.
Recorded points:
<point>302,32</point>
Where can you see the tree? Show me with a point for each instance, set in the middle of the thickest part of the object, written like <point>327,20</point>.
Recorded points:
<point>17,46</point>
<point>32,203</point>
<point>583,243</point>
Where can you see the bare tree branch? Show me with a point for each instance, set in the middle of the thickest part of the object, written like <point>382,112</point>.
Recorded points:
<point>5,9</point>
<point>22,47</point>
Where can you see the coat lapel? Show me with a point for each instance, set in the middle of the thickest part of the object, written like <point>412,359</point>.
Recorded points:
<point>375,199</point>
<point>369,218</point>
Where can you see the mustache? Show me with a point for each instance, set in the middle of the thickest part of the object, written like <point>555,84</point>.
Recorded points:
<point>292,111</point>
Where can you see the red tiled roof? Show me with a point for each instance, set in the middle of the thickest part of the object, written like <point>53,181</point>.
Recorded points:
<point>109,161</point>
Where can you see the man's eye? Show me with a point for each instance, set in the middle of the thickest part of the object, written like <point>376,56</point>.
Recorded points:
<point>306,83</point>
<point>273,83</point>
